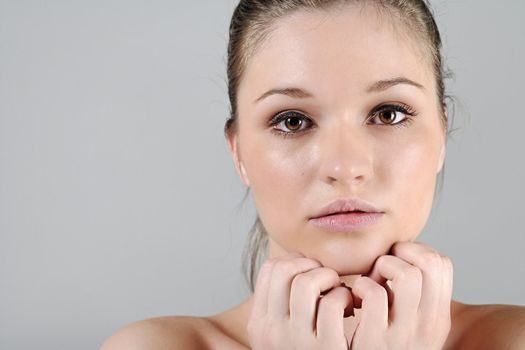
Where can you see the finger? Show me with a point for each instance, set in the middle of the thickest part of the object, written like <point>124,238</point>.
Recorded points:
<point>305,292</point>
<point>330,313</point>
<point>260,295</point>
<point>406,287</point>
<point>374,308</point>
<point>381,280</point>
<point>436,270</point>
<point>262,285</point>
<point>283,272</point>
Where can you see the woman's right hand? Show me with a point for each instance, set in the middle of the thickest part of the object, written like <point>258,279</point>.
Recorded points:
<point>288,311</point>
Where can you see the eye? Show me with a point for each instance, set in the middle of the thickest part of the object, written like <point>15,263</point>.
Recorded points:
<point>290,122</point>
<point>394,114</point>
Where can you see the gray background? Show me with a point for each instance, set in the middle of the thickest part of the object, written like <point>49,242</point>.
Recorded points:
<point>118,197</point>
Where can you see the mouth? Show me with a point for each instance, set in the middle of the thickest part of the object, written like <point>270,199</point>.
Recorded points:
<point>346,215</point>
<point>346,212</point>
<point>346,206</point>
<point>346,221</point>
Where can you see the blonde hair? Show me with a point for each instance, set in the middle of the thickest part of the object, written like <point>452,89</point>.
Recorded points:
<point>250,24</point>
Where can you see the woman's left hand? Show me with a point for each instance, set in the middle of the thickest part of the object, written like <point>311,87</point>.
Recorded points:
<point>413,310</point>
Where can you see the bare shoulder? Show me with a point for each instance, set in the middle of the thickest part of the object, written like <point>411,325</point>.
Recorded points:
<point>169,332</point>
<point>494,326</point>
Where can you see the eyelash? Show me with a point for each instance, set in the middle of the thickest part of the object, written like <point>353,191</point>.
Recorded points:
<point>408,111</point>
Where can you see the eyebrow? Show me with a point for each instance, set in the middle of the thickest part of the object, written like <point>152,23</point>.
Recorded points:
<point>291,91</point>
<point>378,86</point>
<point>383,85</point>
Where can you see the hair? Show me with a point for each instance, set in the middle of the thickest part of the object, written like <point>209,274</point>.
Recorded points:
<point>251,23</point>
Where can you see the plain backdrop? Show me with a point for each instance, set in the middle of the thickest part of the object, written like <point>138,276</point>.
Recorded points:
<point>118,197</point>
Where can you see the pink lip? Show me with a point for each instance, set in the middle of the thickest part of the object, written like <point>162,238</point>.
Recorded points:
<point>346,205</point>
<point>346,222</point>
<point>344,215</point>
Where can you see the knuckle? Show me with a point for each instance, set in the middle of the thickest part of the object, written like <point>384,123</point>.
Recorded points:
<point>303,281</point>
<point>431,262</point>
<point>385,258</point>
<point>330,273</point>
<point>310,280</point>
<point>331,304</point>
<point>264,271</point>
<point>370,288</point>
<point>284,267</point>
<point>335,299</point>
<point>289,267</point>
<point>398,246</point>
<point>447,262</point>
<point>431,258</point>
<point>378,292</point>
<point>360,283</point>
<point>411,273</point>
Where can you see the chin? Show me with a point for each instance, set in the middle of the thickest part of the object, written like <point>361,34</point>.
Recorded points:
<point>355,267</point>
<point>353,259</point>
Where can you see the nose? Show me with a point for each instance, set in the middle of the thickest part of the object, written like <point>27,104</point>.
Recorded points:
<point>346,156</point>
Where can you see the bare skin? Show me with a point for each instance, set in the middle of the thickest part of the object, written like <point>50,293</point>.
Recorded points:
<point>474,327</point>
<point>354,69</point>
<point>230,325</point>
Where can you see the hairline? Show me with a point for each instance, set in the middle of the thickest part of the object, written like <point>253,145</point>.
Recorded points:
<point>255,40</point>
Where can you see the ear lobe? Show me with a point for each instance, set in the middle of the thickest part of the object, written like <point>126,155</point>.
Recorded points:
<point>239,167</point>
<point>243,174</point>
<point>441,158</point>
<point>444,146</point>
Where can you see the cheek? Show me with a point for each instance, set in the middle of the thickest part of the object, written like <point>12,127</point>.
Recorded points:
<point>412,172</point>
<point>278,176</point>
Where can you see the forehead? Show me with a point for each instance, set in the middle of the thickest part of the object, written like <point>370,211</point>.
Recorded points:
<point>344,49</point>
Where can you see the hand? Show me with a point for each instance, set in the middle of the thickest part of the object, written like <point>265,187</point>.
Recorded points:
<point>288,310</point>
<point>421,292</point>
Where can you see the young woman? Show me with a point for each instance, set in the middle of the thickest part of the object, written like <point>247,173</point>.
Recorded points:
<point>338,127</point>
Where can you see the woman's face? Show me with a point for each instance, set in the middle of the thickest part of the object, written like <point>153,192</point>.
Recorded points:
<point>348,65</point>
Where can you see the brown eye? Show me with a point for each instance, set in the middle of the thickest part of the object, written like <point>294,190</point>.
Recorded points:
<point>387,117</point>
<point>392,115</point>
<point>293,123</point>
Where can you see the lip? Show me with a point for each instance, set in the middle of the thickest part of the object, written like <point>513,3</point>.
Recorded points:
<point>347,222</point>
<point>337,216</point>
<point>346,205</point>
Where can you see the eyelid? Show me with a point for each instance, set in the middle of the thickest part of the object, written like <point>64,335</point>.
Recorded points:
<point>398,107</point>
<point>282,116</point>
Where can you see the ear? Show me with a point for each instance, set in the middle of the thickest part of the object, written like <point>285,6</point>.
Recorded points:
<point>442,157</point>
<point>239,167</point>
<point>444,145</point>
